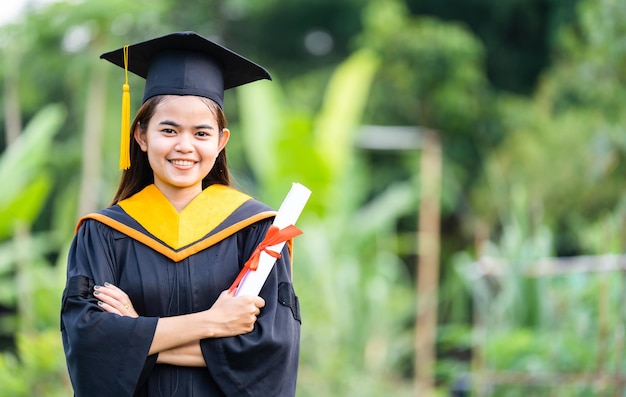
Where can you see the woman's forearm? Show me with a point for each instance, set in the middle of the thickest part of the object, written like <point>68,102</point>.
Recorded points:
<point>189,355</point>
<point>177,331</point>
<point>229,316</point>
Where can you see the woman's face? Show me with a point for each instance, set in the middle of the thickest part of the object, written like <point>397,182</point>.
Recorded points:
<point>182,141</point>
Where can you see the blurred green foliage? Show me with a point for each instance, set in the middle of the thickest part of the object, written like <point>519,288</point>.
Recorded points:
<point>526,97</point>
<point>35,364</point>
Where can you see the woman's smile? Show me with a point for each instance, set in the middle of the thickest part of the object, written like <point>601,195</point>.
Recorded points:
<point>183,164</point>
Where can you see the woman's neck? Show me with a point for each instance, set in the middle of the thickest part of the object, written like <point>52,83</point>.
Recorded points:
<point>180,197</point>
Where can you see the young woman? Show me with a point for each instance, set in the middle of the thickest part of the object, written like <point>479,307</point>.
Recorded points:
<point>146,309</point>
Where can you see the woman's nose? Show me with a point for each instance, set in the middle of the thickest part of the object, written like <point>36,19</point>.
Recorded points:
<point>184,143</point>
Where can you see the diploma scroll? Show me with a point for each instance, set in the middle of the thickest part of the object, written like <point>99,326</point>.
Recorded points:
<point>287,215</point>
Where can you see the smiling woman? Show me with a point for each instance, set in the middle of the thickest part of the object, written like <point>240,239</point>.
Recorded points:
<point>182,142</point>
<point>146,309</point>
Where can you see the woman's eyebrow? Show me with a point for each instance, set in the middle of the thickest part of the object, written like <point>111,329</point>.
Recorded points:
<point>175,124</point>
<point>204,127</point>
<point>170,123</point>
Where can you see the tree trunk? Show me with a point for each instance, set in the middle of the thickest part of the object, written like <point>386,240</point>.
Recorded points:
<point>92,140</point>
<point>12,111</point>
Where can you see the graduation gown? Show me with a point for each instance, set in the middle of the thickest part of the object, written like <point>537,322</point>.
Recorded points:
<point>169,264</point>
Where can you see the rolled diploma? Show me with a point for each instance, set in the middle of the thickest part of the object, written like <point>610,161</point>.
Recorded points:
<point>288,214</point>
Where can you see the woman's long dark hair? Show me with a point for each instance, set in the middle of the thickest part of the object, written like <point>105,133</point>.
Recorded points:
<point>140,174</point>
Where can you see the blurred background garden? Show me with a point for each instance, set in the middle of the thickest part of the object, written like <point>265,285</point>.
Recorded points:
<point>477,144</point>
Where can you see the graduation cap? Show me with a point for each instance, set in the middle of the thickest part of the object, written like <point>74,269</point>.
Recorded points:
<point>181,63</point>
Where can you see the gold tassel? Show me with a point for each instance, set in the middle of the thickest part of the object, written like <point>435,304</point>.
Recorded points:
<point>125,134</point>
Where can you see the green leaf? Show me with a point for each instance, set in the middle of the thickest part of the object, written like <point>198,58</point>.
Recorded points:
<point>260,126</point>
<point>343,107</point>
<point>25,206</point>
<point>26,183</point>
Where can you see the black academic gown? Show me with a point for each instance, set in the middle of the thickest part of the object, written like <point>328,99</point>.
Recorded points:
<point>107,354</point>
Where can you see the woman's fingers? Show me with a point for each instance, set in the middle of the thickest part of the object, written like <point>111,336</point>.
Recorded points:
<point>114,300</point>
<point>236,314</point>
<point>108,308</point>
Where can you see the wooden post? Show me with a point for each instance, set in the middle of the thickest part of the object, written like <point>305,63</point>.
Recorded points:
<point>93,132</point>
<point>428,265</point>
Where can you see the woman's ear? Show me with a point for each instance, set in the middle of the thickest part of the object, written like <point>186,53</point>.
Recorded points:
<point>140,137</point>
<point>224,136</point>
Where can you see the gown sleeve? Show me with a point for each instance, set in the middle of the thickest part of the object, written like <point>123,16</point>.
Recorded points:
<point>106,354</point>
<point>263,362</point>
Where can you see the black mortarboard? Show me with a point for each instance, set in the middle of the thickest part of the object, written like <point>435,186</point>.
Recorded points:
<point>182,63</point>
<point>185,63</point>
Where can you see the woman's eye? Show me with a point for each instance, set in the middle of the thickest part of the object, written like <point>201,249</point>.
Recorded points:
<point>203,134</point>
<point>168,131</point>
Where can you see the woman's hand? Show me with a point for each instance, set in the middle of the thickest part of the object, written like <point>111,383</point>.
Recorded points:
<point>114,300</point>
<point>234,315</point>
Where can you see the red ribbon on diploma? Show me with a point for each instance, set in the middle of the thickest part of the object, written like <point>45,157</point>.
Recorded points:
<point>273,236</point>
